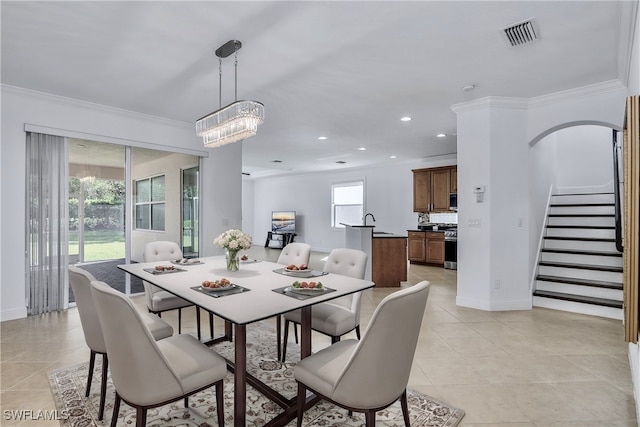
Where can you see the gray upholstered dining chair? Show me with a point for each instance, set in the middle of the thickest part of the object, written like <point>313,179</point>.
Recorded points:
<point>81,285</point>
<point>158,300</point>
<point>339,316</point>
<point>294,253</point>
<point>370,374</point>
<point>147,373</point>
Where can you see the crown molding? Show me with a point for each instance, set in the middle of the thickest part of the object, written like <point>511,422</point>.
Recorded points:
<point>491,102</point>
<point>57,99</point>
<point>578,92</point>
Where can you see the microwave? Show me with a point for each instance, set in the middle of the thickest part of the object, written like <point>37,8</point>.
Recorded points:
<point>453,201</point>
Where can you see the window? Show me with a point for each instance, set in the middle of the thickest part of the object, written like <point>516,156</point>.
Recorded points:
<point>347,203</point>
<point>150,203</point>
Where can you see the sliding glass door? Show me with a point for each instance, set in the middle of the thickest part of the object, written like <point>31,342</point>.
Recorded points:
<point>190,209</point>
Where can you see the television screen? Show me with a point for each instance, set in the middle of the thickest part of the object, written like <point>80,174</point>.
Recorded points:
<point>283,221</point>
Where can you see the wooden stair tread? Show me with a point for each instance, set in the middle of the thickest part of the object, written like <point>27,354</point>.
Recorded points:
<point>585,227</point>
<point>581,282</point>
<point>576,215</point>
<point>583,252</point>
<point>581,239</point>
<point>614,269</point>
<point>554,205</point>
<point>579,298</point>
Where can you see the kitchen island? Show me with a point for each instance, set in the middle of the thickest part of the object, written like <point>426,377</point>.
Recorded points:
<point>386,254</point>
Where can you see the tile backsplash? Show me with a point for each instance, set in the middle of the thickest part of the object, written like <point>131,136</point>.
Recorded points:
<point>439,218</point>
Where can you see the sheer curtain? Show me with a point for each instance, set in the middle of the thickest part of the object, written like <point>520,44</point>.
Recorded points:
<point>47,223</point>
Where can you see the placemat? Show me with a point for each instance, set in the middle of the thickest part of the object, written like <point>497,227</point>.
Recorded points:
<point>154,271</point>
<point>191,262</point>
<point>314,273</point>
<point>283,291</point>
<point>233,289</point>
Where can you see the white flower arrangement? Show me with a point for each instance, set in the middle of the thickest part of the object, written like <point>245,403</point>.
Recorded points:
<point>233,240</point>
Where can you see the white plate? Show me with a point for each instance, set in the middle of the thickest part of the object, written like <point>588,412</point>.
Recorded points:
<point>169,269</point>
<point>189,262</point>
<point>248,261</point>
<point>226,288</point>
<point>305,291</point>
<point>298,273</point>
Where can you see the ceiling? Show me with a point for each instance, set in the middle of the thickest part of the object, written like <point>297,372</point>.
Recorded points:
<point>347,70</point>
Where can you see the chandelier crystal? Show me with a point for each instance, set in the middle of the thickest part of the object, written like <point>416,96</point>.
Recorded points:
<point>232,123</point>
<point>236,121</point>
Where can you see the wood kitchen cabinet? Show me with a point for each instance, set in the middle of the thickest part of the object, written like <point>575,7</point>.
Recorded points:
<point>389,261</point>
<point>426,247</point>
<point>431,188</point>
<point>454,179</point>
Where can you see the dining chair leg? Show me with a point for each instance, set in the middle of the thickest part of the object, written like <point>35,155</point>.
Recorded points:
<point>358,331</point>
<point>279,336</point>
<point>220,402</point>
<point>285,340</point>
<point>334,339</point>
<point>141,417</point>
<point>103,385</point>
<point>179,320</point>
<point>405,408</point>
<point>116,411</point>
<point>301,400</point>
<point>198,323</point>
<point>186,402</point>
<point>295,332</point>
<point>92,362</point>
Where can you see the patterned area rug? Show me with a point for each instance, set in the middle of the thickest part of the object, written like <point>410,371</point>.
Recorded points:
<point>68,385</point>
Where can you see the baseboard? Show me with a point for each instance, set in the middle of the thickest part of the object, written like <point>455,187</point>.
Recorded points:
<point>489,305</point>
<point>12,314</point>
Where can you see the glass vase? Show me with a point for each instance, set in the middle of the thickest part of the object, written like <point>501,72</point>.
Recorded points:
<point>233,260</point>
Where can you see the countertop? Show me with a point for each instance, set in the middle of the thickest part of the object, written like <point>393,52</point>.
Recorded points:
<point>428,231</point>
<point>384,235</point>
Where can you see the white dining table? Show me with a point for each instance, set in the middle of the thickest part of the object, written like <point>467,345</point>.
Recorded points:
<point>257,302</point>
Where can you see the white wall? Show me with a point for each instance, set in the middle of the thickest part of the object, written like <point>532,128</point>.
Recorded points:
<point>490,142</point>
<point>585,158</point>
<point>543,166</point>
<point>634,89</point>
<point>388,196</point>
<point>221,171</point>
<point>171,167</point>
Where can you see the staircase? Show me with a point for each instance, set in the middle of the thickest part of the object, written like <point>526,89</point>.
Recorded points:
<point>580,269</point>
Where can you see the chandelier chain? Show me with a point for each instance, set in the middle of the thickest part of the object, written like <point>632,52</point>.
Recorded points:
<point>220,82</point>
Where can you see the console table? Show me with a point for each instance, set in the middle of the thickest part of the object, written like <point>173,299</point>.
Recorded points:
<point>285,238</point>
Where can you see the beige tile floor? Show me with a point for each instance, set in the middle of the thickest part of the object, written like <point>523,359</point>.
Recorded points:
<point>519,368</point>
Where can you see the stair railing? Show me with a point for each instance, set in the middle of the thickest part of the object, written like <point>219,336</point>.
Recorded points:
<point>616,193</point>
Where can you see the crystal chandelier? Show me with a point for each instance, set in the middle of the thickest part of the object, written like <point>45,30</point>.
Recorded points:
<point>236,121</point>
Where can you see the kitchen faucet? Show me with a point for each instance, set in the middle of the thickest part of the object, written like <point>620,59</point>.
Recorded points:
<point>372,217</point>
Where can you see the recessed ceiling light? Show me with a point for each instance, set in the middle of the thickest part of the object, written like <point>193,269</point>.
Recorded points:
<point>441,135</point>
<point>276,161</point>
<point>322,137</point>
<point>341,162</point>
<point>362,148</point>
<point>468,87</point>
<point>405,119</point>
<point>393,157</point>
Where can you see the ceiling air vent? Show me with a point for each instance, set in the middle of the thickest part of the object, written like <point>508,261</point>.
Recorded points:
<point>521,33</point>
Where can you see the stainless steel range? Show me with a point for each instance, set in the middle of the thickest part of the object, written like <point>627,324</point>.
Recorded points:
<point>451,249</point>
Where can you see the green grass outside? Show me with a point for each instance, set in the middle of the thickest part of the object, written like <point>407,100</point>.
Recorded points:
<point>99,244</point>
